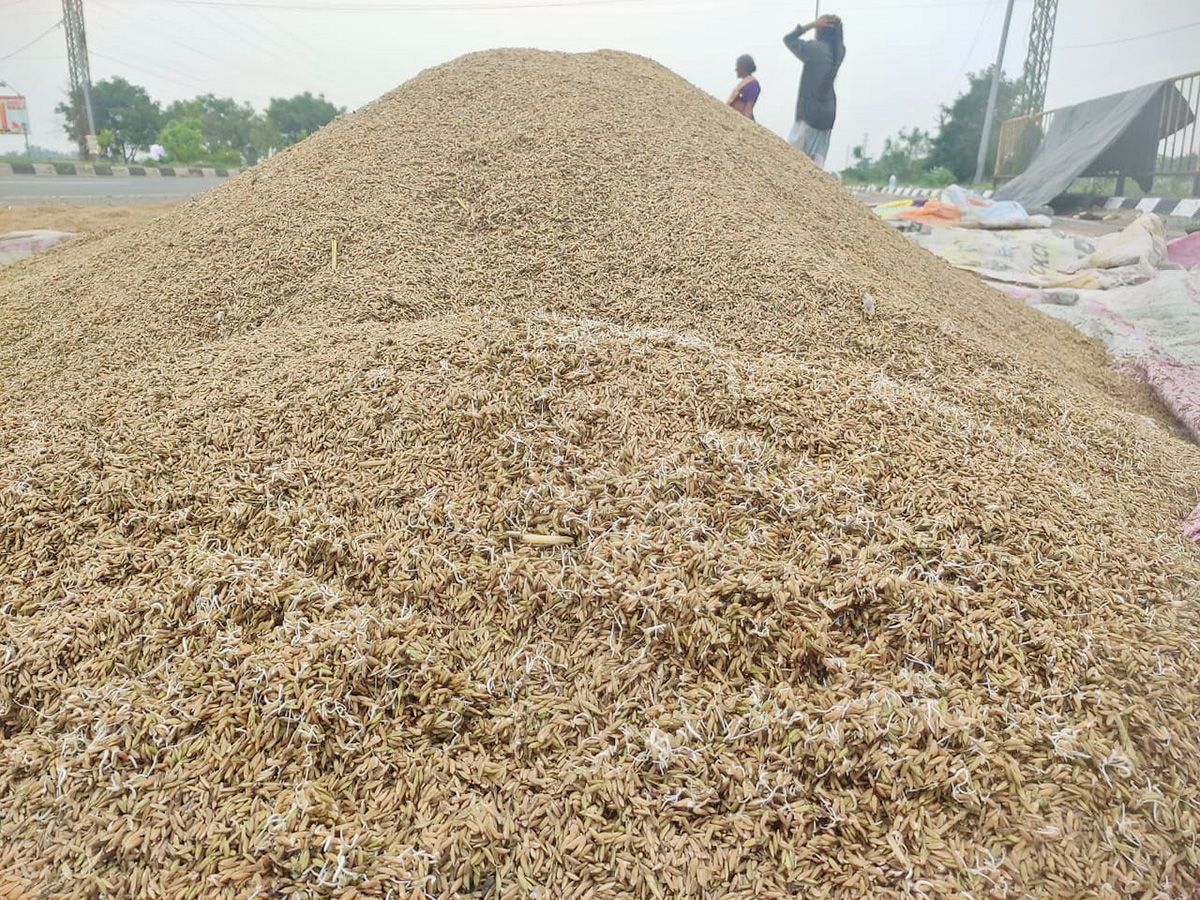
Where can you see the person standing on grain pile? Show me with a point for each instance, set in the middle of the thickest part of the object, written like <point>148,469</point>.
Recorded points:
<point>745,95</point>
<point>816,103</point>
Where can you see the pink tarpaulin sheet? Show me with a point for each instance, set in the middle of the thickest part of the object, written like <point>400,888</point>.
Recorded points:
<point>1191,525</point>
<point>1178,387</point>
<point>1185,251</point>
<point>1153,329</point>
<point>17,245</point>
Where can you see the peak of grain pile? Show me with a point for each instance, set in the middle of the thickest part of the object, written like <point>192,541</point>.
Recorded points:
<point>570,532</point>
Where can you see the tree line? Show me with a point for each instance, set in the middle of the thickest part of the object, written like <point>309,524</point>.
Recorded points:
<point>222,131</point>
<point>216,130</point>
<point>916,156</point>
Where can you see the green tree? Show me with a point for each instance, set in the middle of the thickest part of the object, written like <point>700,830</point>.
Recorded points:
<point>75,120</point>
<point>264,137</point>
<point>297,117</point>
<point>232,131</point>
<point>106,139</point>
<point>123,108</point>
<point>183,140</point>
<point>906,155</point>
<point>956,145</point>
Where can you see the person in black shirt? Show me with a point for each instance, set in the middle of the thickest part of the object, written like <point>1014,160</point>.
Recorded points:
<point>816,102</point>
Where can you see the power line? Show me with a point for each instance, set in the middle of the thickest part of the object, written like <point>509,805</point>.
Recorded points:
<point>238,33</point>
<point>31,43</point>
<point>171,38</point>
<point>480,6</point>
<point>418,6</point>
<point>957,4</point>
<point>267,42</point>
<point>1135,37</point>
<point>967,61</point>
<point>193,86</point>
<point>405,6</point>
<point>314,57</point>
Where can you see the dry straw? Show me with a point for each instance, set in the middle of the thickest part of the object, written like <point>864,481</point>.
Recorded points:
<point>575,534</point>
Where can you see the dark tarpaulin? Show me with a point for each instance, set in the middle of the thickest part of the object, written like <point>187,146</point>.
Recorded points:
<point>1118,133</point>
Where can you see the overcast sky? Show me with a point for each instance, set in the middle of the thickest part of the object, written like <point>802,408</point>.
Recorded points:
<point>904,57</point>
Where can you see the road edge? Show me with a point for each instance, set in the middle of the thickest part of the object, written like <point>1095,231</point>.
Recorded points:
<point>87,170</point>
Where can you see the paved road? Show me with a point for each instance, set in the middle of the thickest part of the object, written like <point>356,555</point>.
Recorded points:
<point>25,190</point>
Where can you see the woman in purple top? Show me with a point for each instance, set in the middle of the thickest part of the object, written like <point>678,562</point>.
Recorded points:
<point>746,93</point>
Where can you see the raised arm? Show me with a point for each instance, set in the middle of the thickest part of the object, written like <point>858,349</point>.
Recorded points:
<point>792,41</point>
<point>801,49</point>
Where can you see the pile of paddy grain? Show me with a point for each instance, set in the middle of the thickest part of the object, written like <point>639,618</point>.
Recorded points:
<point>503,494</point>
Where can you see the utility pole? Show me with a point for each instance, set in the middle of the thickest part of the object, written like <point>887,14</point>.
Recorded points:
<point>1037,60</point>
<point>81,76</point>
<point>991,107</point>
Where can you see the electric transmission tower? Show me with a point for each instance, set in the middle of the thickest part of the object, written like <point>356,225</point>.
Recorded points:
<point>81,76</point>
<point>1037,61</point>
